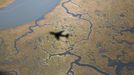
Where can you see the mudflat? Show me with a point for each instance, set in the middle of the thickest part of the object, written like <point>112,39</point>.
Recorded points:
<point>5,3</point>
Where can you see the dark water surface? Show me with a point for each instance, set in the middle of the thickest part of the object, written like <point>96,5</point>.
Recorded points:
<point>23,11</point>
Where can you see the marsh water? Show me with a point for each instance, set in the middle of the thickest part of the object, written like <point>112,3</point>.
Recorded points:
<point>23,11</point>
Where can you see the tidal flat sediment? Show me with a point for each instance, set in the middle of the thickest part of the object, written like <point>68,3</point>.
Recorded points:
<point>5,3</point>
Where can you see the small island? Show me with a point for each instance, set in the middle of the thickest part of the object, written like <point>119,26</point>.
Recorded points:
<point>5,3</point>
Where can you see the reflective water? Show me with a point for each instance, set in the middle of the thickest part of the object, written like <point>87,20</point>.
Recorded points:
<point>23,11</point>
